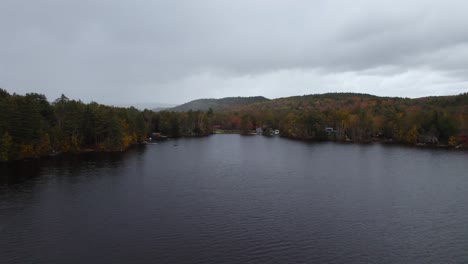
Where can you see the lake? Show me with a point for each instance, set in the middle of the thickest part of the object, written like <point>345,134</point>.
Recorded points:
<point>238,199</point>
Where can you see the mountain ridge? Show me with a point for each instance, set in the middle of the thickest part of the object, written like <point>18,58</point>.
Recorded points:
<point>205,104</point>
<point>237,103</point>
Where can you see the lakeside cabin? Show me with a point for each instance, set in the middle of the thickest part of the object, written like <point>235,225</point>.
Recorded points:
<point>267,131</point>
<point>330,130</point>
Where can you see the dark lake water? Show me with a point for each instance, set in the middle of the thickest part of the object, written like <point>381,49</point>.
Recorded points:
<point>238,199</point>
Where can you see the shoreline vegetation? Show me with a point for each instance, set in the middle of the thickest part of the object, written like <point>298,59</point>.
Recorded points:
<point>463,146</point>
<point>31,126</point>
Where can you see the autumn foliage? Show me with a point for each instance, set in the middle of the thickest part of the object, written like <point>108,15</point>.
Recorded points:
<point>359,118</point>
<point>31,126</point>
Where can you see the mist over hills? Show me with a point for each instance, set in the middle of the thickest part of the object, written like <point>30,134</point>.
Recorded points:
<point>218,104</point>
<point>142,106</point>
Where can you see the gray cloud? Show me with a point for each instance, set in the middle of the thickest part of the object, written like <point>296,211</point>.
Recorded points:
<point>174,51</point>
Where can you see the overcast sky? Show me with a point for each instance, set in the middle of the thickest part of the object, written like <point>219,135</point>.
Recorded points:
<point>117,52</point>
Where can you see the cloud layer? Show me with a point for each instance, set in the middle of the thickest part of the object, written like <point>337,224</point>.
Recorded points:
<point>115,51</point>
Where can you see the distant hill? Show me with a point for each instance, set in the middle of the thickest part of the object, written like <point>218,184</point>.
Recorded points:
<point>142,106</point>
<point>349,102</point>
<point>218,104</point>
<point>159,109</point>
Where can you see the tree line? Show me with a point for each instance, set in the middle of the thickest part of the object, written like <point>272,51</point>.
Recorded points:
<point>358,118</point>
<point>31,126</point>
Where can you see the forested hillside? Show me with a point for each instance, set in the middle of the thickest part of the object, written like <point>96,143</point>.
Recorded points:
<point>31,126</point>
<point>357,117</point>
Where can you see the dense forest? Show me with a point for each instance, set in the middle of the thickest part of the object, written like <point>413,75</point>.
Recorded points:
<point>31,126</point>
<point>358,117</point>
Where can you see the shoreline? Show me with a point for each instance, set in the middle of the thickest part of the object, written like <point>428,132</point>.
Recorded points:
<point>462,147</point>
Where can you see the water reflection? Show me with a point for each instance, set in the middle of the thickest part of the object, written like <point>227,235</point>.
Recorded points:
<point>234,199</point>
<point>65,165</point>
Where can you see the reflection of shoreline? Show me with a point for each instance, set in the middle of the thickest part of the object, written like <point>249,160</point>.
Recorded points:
<point>462,147</point>
<point>75,152</point>
<point>63,164</point>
